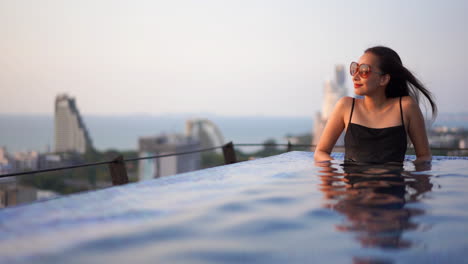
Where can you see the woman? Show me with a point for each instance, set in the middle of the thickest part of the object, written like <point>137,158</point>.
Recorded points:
<point>377,125</point>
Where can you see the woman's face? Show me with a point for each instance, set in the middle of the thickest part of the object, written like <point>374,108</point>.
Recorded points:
<point>373,83</point>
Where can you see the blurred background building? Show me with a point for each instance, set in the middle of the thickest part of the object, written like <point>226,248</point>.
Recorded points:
<point>5,161</point>
<point>333,91</point>
<point>204,131</point>
<point>167,144</point>
<point>71,134</point>
<point>199,134</point>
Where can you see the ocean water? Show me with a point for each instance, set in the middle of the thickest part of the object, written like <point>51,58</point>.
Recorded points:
<point>36,132</point>
<point>23,132</point>
<point>281,209</point>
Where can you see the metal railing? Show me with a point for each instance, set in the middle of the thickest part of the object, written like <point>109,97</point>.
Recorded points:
<point>117,167</point>
<point>118,170</point>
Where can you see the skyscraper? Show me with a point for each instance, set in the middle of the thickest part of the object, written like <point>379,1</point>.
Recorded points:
<point>204,131</point>
<point>71,134</point>
<point>334,90</point>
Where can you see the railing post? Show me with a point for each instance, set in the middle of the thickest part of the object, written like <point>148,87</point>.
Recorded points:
<point>118,171</point>
<point>289,146</point>
<point>229,153</point>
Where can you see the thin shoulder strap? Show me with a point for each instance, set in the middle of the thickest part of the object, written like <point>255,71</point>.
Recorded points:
<point>401,113</point>
<point>351,114</point>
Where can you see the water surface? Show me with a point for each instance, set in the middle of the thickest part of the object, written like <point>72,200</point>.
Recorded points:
<point>282,209</point>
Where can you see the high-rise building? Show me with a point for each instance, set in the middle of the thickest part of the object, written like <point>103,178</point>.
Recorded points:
<point>333,91</point>
<point>204,131</point>
<point>167,144</point>
<point>71,134</point>
<point>5,161</point>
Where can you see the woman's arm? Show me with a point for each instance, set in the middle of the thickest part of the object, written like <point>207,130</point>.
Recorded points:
<point>416,129</point>
<point>333,129</point>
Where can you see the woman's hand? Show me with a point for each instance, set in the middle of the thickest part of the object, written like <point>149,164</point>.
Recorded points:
<point>321,156</point>
<point>423,163</point>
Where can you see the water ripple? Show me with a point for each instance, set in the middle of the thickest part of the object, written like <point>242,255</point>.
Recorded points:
<point>265,227</point>
<point>227,256</point>
<point>233,207</point>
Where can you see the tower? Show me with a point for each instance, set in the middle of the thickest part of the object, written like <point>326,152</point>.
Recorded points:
<point>333,91</point>
<point>205,131</point>
<point>70,131</point>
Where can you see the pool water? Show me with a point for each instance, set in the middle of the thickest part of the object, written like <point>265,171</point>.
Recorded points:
<point>281,209</point>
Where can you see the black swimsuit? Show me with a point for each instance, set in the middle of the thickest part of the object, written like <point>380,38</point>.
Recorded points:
<point>375,145</point>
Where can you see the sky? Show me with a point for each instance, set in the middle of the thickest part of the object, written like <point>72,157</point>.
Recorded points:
<point>233,58</point>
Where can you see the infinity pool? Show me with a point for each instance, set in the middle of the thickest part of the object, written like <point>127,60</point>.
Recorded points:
<point>281,209</point>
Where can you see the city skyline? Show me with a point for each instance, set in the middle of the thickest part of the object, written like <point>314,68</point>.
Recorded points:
<point>230,58</point>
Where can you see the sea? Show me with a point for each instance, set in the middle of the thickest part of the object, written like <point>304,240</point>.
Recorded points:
<point>36,132</point>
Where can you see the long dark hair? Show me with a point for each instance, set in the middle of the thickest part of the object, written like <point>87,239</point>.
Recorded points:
<point>402,81</point>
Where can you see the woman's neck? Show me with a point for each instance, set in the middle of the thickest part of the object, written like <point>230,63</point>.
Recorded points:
<point>375,103</point>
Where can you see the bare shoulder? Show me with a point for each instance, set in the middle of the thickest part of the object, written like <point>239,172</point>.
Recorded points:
<point>344,102</point>
<point>343,106</point>
<point>410,107</point>
<point>342,109</point>
<point>412,112</point>
<point>408,103</point>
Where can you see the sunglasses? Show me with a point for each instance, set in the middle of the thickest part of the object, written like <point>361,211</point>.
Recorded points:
<point>363,69</point>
